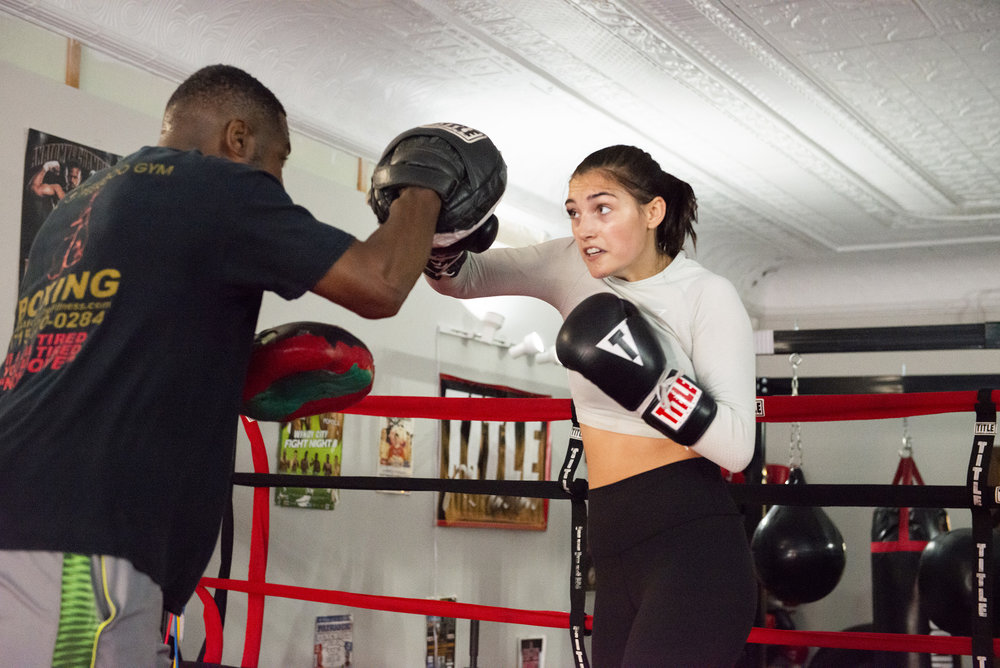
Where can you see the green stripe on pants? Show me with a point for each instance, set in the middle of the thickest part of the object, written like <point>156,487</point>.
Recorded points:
<point>77,615</point>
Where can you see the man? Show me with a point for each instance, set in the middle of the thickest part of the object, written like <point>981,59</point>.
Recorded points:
<point>74,175</point>
<point>122,384</point>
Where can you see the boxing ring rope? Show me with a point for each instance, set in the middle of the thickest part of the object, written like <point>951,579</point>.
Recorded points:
<point>778,409</point>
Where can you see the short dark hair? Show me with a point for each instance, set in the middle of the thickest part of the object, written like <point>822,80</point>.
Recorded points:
<point>644,179</point>
<point>225,86</point>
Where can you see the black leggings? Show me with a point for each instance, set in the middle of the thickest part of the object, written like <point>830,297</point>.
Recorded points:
<point>675,584</point>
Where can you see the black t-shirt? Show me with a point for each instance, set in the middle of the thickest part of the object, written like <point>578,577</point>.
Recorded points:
<point>121,387</point>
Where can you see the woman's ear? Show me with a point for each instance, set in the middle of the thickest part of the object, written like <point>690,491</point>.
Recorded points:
<point>654,210</point>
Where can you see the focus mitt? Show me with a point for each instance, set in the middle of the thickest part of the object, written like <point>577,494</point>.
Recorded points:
<point>459,163</point>
<point>305,368</point>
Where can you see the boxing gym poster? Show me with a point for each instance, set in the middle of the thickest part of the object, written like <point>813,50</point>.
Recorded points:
<point>52,167</point>
<point>333,641</point>
<point>531,652</point>
<point>492,450</point>
<point>312,445</point>
<point>395,450</point>
<point>441,640</point>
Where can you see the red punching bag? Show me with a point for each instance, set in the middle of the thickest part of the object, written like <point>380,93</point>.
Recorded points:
<point>798,552</point>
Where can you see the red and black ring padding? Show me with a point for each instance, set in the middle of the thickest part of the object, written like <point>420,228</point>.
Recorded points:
<point>305,368</point>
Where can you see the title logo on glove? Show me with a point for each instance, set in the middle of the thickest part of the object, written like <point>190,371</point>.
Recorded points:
<point>678,397</point>
<point>619,342</point>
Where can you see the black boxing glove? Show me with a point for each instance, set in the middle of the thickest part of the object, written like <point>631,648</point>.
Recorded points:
<point>607,340</point>
<point>459,163</point>
<point>448,260</point>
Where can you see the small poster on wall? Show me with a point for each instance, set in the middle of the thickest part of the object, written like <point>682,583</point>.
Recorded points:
<point>334,642</point>
<point>395,449</point>
<point>310,446</point>
<point>492,450</point>
<point>441,640</point>
<point>53,166</point>
<point>531,652</point>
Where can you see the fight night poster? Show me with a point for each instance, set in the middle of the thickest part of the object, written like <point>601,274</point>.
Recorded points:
<point>53,166</point>
<point>312,445</point>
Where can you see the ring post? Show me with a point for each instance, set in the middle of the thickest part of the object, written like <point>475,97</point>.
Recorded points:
<point>577,489</point>
<point>984,492</point>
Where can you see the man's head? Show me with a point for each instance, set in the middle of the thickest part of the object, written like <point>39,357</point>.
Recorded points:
<point>74,174</point>
<point>223,111</point>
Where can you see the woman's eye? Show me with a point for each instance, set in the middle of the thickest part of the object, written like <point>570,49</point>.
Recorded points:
<point>603,208</point>
<point>572,213</point>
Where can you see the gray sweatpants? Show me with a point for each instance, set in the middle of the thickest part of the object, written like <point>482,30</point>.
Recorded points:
<point>111,620</point>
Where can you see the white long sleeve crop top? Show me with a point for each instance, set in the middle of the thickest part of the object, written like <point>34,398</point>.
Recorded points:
<point>697,315</point>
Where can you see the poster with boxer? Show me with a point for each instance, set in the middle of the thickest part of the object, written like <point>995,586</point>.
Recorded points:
<point>312,445</point>
<point>492,450</point>
<point>395,450</point>
<point>53,166</point>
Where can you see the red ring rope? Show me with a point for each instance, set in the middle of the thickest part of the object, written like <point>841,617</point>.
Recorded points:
<point>809,408</point>
<point>949,645</point>
<point>804,408</point>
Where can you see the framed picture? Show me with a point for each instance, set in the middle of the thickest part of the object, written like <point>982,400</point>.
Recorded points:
<point>492,450</point>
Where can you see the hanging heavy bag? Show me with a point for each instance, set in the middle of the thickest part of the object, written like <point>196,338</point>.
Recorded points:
<point>947,583</point>
<point>899,536</point>
<point>798,552</point>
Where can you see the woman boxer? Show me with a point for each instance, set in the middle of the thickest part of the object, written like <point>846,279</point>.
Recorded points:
<point>674,577</point>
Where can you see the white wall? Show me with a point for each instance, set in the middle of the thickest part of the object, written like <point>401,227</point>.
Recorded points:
<point>388,544</point>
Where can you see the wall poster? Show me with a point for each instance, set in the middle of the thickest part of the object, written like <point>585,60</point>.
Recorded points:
<point>395,450</point>
<point>531,652</point>
<point>310,445</point>
<point>488,450</point>
<point>441,640</point>
<point>53,166</point>
<point>334,641</point>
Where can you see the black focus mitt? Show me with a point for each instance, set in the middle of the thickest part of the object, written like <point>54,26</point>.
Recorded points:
<point>459,163</point>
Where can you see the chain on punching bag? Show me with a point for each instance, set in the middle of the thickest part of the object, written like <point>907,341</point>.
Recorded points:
<point>899,536</point>
<point>798,552</point>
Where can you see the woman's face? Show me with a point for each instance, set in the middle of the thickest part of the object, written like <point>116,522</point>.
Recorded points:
<point>614,233</point>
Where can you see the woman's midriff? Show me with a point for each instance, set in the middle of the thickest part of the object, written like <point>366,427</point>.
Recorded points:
<point>612,456</point>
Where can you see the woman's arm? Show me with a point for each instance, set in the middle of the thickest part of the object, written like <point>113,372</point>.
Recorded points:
<point>531,271</point>
<point>725,368</point>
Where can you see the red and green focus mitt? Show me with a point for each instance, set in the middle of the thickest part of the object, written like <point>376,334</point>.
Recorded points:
<point>305,368</point>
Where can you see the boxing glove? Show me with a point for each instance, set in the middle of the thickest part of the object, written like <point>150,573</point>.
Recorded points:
<point>607,340</point>
<point>459,163</point>
<point>448,260</point>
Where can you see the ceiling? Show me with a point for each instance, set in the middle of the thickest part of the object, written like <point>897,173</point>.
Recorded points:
<point>823,137</point>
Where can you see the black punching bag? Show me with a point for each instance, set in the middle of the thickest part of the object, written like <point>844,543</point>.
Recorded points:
<point>899,536</point>
<point>798,552</point>
<point>947,583</point>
